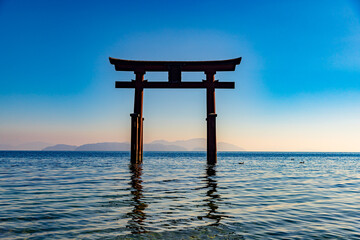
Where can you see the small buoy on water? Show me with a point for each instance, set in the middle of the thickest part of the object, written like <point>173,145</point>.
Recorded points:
<point>241,162</point>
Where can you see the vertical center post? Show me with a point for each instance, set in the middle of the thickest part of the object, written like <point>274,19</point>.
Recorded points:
<point>137,120</point>
<point>211,117</point>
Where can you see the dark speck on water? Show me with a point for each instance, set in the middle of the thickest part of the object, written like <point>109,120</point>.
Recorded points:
<point>176,195</point>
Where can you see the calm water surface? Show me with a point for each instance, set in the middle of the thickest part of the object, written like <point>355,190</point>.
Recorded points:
<point>98,195</point>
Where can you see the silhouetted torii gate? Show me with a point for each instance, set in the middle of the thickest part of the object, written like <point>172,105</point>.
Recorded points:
<point>174,68</point>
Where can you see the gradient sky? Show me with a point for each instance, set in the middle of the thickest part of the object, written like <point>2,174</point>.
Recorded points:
<point>297,88</point>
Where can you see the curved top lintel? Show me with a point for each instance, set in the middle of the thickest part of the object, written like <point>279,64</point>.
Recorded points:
<point>165,66</point>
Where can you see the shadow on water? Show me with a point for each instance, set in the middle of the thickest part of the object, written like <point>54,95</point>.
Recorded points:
<point>137,215</point>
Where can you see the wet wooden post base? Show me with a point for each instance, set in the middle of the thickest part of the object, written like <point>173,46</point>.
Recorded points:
<point>134,148</point>
<point>174,69</point>
<point>211,139</point>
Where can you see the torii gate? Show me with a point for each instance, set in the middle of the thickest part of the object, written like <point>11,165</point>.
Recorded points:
<point>174,68</point>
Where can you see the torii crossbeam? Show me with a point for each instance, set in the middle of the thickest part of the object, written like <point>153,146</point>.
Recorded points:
<point>174,68</point>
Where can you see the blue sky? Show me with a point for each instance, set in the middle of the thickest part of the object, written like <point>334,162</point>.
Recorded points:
<point>297,88</point>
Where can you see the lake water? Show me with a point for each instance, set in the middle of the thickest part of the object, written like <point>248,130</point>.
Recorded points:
<point>98,195</point>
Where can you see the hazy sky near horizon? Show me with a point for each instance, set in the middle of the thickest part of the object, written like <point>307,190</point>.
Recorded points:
<point>297,88</point>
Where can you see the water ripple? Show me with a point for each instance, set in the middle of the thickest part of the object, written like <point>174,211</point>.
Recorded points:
<point>98,195</point>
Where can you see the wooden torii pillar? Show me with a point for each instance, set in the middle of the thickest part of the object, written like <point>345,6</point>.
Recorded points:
<point>174,68</point>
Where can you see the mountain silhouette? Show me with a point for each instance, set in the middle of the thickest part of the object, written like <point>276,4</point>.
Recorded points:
<point>195,144</point>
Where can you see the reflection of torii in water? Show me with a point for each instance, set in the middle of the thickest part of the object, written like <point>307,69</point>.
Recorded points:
<point>137,215</point>
<point>213,195</point>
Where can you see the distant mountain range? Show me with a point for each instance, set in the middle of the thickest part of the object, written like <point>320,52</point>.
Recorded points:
<point>196,144</point>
